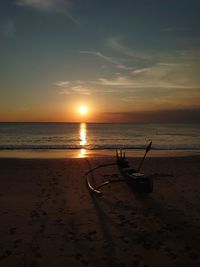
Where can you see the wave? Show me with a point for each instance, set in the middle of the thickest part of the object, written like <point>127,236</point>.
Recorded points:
<point>98,147</point>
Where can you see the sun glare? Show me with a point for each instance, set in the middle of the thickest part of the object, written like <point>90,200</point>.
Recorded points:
<point>83,110</point>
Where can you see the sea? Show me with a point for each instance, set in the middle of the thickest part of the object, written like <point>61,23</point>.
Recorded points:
<point>86,138</point>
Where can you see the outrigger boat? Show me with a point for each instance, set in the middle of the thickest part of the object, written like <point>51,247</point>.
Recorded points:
<point>138,181</point>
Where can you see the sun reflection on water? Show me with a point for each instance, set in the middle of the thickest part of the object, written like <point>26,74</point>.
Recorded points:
<point>82,153</point>
<point>83,140</point>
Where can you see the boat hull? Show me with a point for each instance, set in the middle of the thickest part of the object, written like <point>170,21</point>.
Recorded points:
<point>139,182</point>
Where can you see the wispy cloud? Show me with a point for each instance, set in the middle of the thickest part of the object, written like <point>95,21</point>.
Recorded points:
<point>78,87</point>
<point>73,87</point>
<point>60,6</point>
<point>119,81</point>
<point>81,89</point>
<point>161,75</point>
<point>74,91</point>
<point>131,53</point>
<point>62,83</point>
<point>114,61</point>
<point>149,57</point>
<point>152,80</point>
<point>160,79</point>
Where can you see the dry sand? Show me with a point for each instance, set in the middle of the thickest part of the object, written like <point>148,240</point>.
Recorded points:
<point>48,217</point>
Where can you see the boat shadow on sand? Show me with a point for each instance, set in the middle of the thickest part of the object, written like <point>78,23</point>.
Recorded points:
<point>143,222</point>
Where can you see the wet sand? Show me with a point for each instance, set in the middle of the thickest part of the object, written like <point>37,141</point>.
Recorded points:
<point>48,217</point>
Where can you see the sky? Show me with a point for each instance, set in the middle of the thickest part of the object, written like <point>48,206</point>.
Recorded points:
<point>127,61</point>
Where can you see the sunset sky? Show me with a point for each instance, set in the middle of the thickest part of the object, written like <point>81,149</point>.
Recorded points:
<point>129,61</point>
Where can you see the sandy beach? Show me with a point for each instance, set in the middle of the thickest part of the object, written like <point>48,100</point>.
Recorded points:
<point>48,217</point>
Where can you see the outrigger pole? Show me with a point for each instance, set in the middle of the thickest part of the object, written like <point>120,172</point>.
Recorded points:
<point>100,166</point>
<point>95,189</point>
<point>147,150</point>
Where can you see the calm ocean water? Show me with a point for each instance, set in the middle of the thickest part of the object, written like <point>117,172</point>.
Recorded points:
<point>65,136</point>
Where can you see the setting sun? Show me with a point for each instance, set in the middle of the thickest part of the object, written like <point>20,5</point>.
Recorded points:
<point>83,110</point>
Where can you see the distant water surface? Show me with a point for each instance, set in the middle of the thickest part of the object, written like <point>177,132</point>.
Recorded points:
<point>69,136</point>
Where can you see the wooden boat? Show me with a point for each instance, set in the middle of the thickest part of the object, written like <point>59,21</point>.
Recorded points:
<point>140,182</point>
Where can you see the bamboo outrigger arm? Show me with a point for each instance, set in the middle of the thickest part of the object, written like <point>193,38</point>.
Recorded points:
<point>96,189</point>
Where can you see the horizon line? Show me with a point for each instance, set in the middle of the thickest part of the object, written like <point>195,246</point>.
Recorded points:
<point>119,122</point>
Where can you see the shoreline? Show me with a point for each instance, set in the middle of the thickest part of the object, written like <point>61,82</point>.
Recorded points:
<point>84,153</point>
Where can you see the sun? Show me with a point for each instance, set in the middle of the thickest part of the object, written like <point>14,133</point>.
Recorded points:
<point>83,110</point>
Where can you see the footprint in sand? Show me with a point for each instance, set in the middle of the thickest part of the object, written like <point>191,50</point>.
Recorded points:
<point>6,254</point>
<point>36,252</point>
<point>12,230</point>
<point>34,263</point>
<point>42,228</point>
<point>34,214</point>
<point>80,258</point>
<point>16,243</point>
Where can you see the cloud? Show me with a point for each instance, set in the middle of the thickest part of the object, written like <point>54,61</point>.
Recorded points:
<point>165,83</point>
<point>8,29</point>
<point>162,83</point>
<point>149,57</point>
<point>73,87</point>
<point>114,61</point>
<point>82,88</point>
<point>74,91</point>
<point>62,83</point>
<point>137,55</point>
<point>161,75</point>
<point>120,81</point>
<point>60,6</point>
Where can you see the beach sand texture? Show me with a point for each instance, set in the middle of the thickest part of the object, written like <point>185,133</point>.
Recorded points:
<point>48,217</point>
